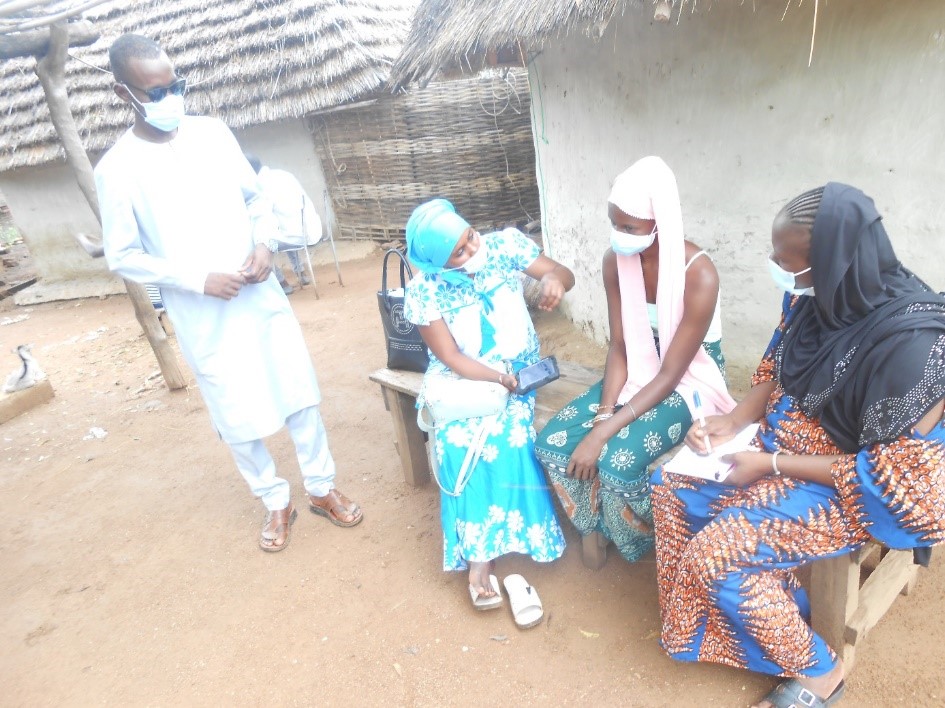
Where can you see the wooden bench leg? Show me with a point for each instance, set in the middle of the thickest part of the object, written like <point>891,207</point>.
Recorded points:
<point>835,589</point>
<point>895,573</point>
<point>410,443</point>
<point>594,550</point>
<point>843,612</point>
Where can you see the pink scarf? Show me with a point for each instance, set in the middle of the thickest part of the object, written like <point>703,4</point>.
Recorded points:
<point>647,190</point>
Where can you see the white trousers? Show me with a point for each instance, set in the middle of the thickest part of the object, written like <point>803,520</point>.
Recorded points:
<point>311,445</point>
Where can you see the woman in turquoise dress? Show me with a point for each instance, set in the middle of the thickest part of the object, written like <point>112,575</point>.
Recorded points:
<point>468,303</point>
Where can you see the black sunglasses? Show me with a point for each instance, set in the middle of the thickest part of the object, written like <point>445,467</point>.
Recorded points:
<point>157,94</point>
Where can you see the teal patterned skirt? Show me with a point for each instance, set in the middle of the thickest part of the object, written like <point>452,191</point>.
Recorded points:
<point>617,501</point>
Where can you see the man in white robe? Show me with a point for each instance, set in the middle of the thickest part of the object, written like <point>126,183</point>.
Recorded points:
<point>182,209</point>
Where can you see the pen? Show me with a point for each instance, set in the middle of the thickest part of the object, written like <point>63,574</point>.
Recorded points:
<point>697,402</point>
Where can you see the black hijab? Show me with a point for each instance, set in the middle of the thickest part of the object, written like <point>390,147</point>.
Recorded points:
<point>866,353</point>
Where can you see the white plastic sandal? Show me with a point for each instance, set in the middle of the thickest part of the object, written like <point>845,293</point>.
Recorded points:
<point>487,603</point>
<point>526,605</point>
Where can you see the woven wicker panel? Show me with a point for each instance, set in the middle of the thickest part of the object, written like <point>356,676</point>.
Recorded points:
<point>468,140</point>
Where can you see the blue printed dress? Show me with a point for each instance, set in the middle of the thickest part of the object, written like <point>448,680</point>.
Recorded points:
<point>506,506</point>
<point>726,556</point>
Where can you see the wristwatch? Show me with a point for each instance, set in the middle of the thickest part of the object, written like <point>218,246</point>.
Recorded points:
<point>272,245</point>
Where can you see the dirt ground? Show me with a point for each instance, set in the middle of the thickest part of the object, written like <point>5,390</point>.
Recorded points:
<point>131,573</point>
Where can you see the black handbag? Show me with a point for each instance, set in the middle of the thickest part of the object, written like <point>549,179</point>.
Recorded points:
<point>405,348</point>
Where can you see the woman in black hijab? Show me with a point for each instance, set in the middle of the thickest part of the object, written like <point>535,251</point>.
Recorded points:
<point>850,396</point>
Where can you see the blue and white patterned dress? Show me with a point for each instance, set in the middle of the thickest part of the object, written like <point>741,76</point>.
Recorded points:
<point>506,506</point>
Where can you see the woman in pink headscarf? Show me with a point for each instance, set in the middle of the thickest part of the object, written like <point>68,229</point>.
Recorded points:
<point>665,351</point>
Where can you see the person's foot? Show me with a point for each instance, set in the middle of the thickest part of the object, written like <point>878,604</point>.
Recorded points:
<point>304,280</point>
<point>823,687</point>
<point>275,531</point>
<point>287,289</point>
<point>337,508</point>
<point>479,578</point>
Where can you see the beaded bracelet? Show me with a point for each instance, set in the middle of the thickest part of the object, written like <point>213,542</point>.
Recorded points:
<point>600,417</point>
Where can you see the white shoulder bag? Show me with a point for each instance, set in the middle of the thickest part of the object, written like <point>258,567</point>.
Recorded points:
<point>447,398</point>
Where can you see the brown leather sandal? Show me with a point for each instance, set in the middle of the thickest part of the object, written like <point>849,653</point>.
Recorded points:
<point>283,520</point>
<point>335,506</point>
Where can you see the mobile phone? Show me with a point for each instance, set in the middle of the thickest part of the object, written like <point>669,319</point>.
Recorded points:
<point>537,375</point>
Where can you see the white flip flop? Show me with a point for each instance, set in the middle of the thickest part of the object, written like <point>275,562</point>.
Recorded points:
<point>526,605</point>
<point>487,603</point>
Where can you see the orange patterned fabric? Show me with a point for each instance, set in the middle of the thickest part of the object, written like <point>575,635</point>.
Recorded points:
<point>726,556</point>
<point>727,592</point>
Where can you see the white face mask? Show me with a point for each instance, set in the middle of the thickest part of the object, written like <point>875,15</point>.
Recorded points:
<point>787,280</point>
<point>625,244</point>
<point>165,115</point>
<point>478,259</point>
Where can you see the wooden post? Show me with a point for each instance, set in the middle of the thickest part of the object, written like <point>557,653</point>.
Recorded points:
<point>52,75</point>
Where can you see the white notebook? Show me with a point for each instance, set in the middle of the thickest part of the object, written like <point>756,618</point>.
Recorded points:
<point>709,466</point>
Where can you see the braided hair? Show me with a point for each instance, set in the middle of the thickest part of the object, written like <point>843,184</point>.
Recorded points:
<point>802,210</point>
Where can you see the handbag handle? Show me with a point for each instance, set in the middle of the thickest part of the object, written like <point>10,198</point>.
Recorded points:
<point>473,453</point>
<point>405,270</point>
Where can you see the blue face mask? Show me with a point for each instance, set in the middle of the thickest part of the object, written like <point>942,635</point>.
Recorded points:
<point>786,280</point>
<point>165,115</point>
<point>625,244</point>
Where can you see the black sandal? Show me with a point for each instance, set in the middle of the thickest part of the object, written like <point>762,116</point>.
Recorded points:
<point>791,694</point>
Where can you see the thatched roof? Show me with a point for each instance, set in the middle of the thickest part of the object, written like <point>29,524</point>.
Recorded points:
<point>248,61</point>
<point>449,32</point>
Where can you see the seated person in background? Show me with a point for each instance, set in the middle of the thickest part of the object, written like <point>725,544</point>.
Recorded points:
<point>467,302</point>
<point>665,344</point>
<point>851,445</point>
<point>298,221</point>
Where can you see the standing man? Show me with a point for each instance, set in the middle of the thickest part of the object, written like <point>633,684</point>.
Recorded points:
<point>298,221</point>
<point>181,208</point>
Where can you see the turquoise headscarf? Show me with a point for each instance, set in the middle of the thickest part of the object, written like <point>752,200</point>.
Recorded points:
<point>433,230</point>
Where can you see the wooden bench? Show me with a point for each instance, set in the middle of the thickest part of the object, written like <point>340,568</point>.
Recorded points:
<point>401,388</point>
<point>848,595</point>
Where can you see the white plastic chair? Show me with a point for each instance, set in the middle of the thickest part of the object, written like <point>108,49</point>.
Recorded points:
<point>288,248</point>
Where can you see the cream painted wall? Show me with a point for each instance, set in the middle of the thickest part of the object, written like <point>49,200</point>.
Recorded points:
<point>48,208</point>
<point>727,99</point>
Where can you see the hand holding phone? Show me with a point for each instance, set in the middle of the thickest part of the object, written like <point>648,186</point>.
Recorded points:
<point>538,374</point>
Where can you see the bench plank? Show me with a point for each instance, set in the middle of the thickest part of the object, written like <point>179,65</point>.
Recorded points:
<point>575,379</point>
<point>403,381</point>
